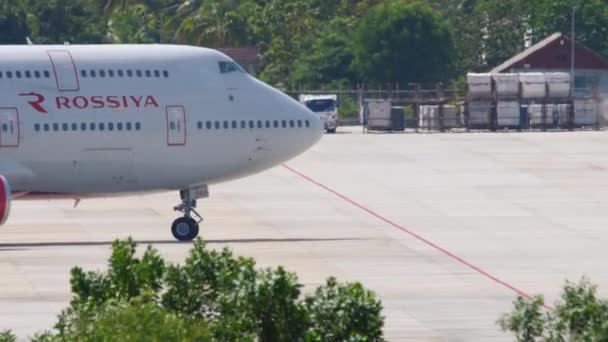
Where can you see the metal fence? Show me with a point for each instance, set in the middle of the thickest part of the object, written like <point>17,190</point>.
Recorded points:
<point>447,109</point>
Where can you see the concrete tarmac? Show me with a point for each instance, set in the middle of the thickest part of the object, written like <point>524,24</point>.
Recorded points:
<point>446,228</point>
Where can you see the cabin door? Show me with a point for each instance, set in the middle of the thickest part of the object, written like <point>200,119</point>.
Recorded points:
<point>9,127</point>
<point>176,126</point>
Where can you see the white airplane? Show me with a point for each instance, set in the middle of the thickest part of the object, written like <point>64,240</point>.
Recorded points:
<point>85,121</point>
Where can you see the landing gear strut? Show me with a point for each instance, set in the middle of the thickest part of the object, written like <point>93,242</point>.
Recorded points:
<point>186,228</point>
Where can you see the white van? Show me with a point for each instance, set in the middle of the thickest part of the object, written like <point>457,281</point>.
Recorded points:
<point>325,106</point>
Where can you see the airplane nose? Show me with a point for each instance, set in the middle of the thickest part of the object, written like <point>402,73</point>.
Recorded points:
<point>316,126</point>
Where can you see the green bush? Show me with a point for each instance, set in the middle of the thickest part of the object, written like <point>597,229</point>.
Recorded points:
<point>7,336</point>
<point>212,296</point>
<point>344,312</point>
<point>348,108</point>
<point>579,315</point>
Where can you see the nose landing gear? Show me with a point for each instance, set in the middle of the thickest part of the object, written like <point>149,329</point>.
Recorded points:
<point>186,228</point>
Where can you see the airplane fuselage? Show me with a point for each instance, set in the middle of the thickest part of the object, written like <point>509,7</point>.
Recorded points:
<point>123,119</point>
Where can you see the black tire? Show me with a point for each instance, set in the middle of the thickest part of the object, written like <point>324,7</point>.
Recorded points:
<point>332,131</point>
<point>184,229</point>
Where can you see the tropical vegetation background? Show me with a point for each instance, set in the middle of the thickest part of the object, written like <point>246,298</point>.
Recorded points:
<point>320,42</point>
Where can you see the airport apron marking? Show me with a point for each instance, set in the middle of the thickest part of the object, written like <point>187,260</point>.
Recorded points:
<point>414,235</point>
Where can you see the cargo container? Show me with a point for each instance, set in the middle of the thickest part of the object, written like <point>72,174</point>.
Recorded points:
<point>479,86</point>
<point>558,84</point>
<point>533,85</point>
<point>508,114</point>
<point>506,85</point>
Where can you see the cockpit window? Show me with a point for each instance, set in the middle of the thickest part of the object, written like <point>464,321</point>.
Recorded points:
<point>228,67</point>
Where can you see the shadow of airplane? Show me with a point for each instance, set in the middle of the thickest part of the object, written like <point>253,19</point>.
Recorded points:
<point>11,246</point>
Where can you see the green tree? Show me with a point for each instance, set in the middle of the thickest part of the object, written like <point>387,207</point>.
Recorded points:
<point>330,57</point>
<point>59,21</point>
<point>399,42</point>
<point>13,22</point>
<point>133,25</point>
<point>346,312</point>
<point>212,23</point>
<point>119,320</point>
<point>550,16</point>
<point>504,25</point>
<point>579,315</point>
<point>7,336</point>
<point>212,296</point>
<point>464,20</point>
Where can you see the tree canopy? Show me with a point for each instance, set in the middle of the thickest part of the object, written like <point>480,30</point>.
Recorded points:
<point>318,42</point>
<point>212,296</point>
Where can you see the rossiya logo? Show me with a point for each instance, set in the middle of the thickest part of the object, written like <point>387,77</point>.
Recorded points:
<point>92,102</point>
<point>37,103</point>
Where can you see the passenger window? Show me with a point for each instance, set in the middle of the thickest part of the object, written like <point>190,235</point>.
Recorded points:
<point>0,74</point>
<point>55,127</point>
<point>74,127</point>
<point>130,73</point>
<point>111,73</point>
<point>83,73</point>
<point>235,125</point>
<point>120,73</point>
<point>93,73</point>
<point>226,125</point>
<point>299,123</point>
<point>199,125</point>
<point>208,123</point>
<point>37,127</point>
<point>291,123</point>
<point>138,73</point>
<point>166,74</point>
<point>110,126</point>
<point>148,73</point>
<point>260,125</point>
<point>18,74</point>
<point>267,124</point>
<point>36,74</point>
<point>119,126</point>
<point>243,124</point>
<point>47,74</point>
<point>251,124</point>
<point>307,123</point>
<point>137,126</point>
<point>4,127</point>
<point>276,124</point>
<point>46,127</point>
<point>172,125</point>
<point>102,126</point>
<point>92,126</point>
<point>65,127</point>
<point>156,73</point>
<point>217,125</point>
<point>83,126</point>
<point>284,123</point>
<point>102,73</point>
<point>128,126</point>
<point>9,74</point>
<point>28,74</point>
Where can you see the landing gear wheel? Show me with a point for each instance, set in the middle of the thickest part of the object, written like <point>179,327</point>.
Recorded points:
<point>184,229</point>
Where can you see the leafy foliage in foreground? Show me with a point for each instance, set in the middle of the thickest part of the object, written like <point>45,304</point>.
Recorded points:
<point>579,315</point>
<point>212,296</point>
<point>7,336</point>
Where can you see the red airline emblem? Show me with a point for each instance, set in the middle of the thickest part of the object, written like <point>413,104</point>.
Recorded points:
<point>36,104</point>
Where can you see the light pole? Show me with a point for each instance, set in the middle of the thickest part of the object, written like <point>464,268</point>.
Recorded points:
<point>572,42</point>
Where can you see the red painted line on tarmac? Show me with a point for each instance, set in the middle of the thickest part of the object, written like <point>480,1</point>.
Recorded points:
<point>414,235</point>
